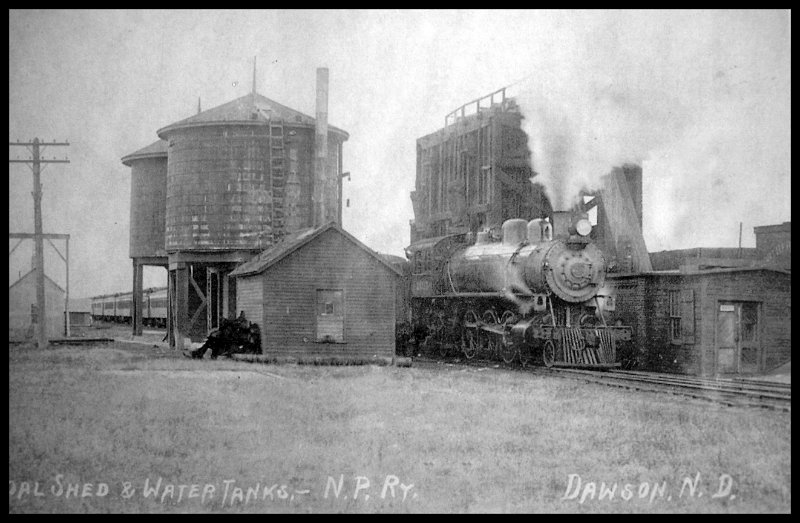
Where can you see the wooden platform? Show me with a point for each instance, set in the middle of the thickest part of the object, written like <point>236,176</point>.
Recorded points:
<point>78,341</point>
<point>317,360</point>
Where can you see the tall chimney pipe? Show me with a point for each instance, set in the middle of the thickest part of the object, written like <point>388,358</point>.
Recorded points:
<point>254,76</point>
<point>561,221</point>
<point>322,190</point>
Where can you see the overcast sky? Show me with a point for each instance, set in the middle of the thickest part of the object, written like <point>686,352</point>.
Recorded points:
<point>701,99</point>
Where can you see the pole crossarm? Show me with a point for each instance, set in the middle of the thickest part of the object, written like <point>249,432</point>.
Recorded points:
<point>50,236</point>
<point>40,161</point>
<point>41,144</point>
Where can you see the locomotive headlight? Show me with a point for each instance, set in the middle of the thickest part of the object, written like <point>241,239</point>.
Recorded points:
<point>583,227</point>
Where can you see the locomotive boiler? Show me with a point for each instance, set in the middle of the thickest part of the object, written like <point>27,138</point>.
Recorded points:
<point>535,294</point>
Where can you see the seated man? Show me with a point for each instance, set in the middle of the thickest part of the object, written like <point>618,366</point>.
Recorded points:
<point>227,339</point>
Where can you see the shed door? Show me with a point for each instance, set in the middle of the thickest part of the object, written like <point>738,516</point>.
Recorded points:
<point>330,316</point>
<point>749,344</point>
<point>738,346</point>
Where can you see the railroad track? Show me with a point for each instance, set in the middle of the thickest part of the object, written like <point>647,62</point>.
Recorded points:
<point>727,391</point>
<point>738,392</point>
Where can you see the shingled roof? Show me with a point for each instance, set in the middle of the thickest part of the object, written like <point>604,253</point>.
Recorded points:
<point>154,150</point>
<point>249,108</point>
<point>294,242</point>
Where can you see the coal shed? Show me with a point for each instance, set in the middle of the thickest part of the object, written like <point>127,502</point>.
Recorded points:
<point>321,293</point>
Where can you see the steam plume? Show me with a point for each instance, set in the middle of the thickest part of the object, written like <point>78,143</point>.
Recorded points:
<point>703,108</point>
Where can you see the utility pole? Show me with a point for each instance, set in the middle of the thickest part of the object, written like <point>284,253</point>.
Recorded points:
<point>35,148</point>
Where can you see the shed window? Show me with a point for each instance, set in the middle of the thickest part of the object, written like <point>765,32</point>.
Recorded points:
<point>675,316</point>
<point>330,316</point>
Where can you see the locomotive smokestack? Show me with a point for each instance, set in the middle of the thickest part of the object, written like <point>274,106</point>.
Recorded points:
<point>322,184</point>
<point>561,221</point>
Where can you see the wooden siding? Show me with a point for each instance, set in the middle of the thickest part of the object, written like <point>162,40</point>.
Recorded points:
<point>773,291</point>
<point>643,303</point>
<point>330,261</point>
<point>250,299</point>
<point>148,207</point>
<point>449,193</point>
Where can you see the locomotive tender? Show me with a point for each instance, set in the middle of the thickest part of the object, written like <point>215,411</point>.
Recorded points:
<point>537,293</point>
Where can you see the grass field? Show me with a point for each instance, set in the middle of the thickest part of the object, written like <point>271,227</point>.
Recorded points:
<point>225,436</point>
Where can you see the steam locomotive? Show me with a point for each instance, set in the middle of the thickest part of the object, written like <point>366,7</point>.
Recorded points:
<point>535,295</point>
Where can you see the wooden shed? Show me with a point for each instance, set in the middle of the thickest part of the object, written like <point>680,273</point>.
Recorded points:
<point>321,293</point>
<point>22,313</point>
<point>708,322</point>
<point>80,313</point>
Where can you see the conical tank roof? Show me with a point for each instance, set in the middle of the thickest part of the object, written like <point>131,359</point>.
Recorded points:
<point>250,108</point>
<point>154,150</point>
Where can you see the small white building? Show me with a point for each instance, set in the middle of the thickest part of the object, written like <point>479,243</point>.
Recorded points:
<point>80,313</point>
<point>22,308</point>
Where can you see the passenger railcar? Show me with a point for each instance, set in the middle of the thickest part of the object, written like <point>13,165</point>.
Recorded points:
<point>155,307</point>
<point>118,307</point>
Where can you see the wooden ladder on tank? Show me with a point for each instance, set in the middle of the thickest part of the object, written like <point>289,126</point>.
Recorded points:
<point>277,170</point>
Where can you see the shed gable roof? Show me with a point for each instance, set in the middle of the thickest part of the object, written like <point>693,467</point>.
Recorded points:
<point>297,241</point>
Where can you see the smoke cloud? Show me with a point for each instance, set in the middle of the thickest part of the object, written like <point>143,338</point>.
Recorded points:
<point>578,133</point>
<point>700,100</point>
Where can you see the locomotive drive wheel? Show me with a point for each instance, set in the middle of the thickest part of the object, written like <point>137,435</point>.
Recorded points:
<point>507,349</point>
<point>525,354</point>
<point>429,343</point>
<point>469,336</point>
<point>438,338</point>
<point>549,353</point>
<point>488,340</point>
